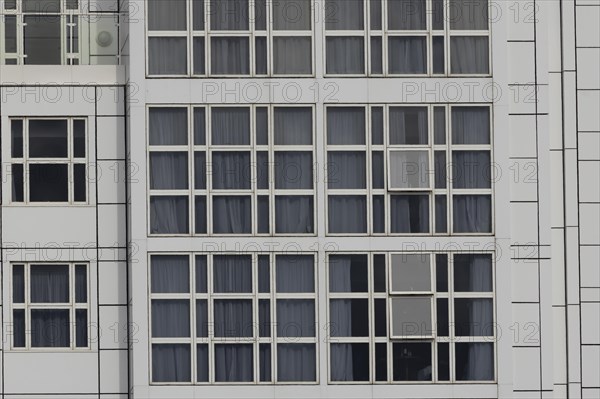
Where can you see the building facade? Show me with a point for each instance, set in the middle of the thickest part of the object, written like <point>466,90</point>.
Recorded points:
<point>300,198</point>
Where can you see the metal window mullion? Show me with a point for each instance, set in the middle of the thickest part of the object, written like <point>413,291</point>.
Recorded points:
<point>210,317</point>
<point>451,322</point>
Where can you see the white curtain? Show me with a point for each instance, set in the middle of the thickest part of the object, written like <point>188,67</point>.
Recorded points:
<point>232,274</point>
<point>171,363</point>
<point>478,361</point>
<point>170,274</point>
<point>344,14</point>
<point>295,318</point>
<point>167,55</point>
<point>233,318</point>
<point>296,362</point>
<point>168,215</point>
<point>469,55</point>
<point>291,14</point>
<point>229,14</point>
<point>468,14</point>
<point>49,284</point>
<point>50,328</point>
<point>472,213</point>
<point>470,125</point>
<point>292,55</point>
<point>170,318</point>
<point>293,170</point>
<point>408,125</point>
<point>407,55</point>
<point>234,363</point>
<point>168,170</point>
<point>168,126</point>
<point>410,213</point>
<point>347,214</point>
<point>345,125</point>
<point>232,215</point>
<point>167,15</point>
<point>406,15</point>
<point>345,55</point>
<point>293,126</point>
<point>471,169</point>
<point>295,274</point>
<point>230,126</point>
<point>230,55</point>
<point>231,170</point>
<point>294,214</point>
<point>346,170</point>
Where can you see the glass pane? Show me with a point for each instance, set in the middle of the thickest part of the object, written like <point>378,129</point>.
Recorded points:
<point>18,284</point>
<point>346,170</point>
<point>171,363</point>
<point>375,14</point>
<point>291,15</point>
<point>17,138</point>
<point>345,55</point>
<point>377,125</point>
<point>169,215</point>
<point>200,215</point>
<point>468,14</point>
<point>471,169</point>
<point>293,170</point>
<point>48,138</point>
<point>199,126</point>
<point>202,363</point>
<point>438,14</point>
<point>296,318</point>
<point>265,362</point>
<point>347,214</point>
<point>474,361</point>
<point>17,183</point>
<point>79,183</point>
<point>49,283</point>
<point>441,214</point>
<point>443,359</point>
<point>379,272</point>
<point>409,169</point>
<point>168,170</point>
<point>408,125</point>
<point>232,215</point>
<point>261,55</point>
<point>469,55</point>
<point>412,361</point>
<point>167,55</point>
<point>472,213</point>
<point>294,214</point>
<point>440,167</point>
<point>406,15</point>
<point>438,55</point>
<point>262,170</point>
<point>473,317</point>
<point>230,55</point>
<point>293,126</point>
<point>234,363</point>
<point>18,328</point>
<point>198,14</point>
<point>201,276</point>
<point>167,14</point>
<point>81,291</point>
<point>230,125</point>
<point>262,213</point>
<point>231,170</point>
<point>50,328</point>
<point>442,317</point>
<point>378,170</point>
<point>260,16</point>
<point>169,274</point>
<point>262,126</point>
<point>81,328</point>
<point>296,362</point>
<point>439,125</point>
<point>170,318</point>
<point>42,41</point>
<point>378,214</point>
<point>168,126</point>
<point>345,125</point>
<point>295,274</point>
<point>411,272</point>
<point>410,213</point>
<point>264,274</point>
<point>380,317</point>
<point>411,316</point>
<point>470,125</point>
<point>348,273</point>
<point>349,362</point>
<point>233,318</point>
<point>381,367</point>
<point>232,273</point>
<point>79,138</point>
<point>344,15</point>
<point>199,61</point>
<point>199,170</point>
<point>407,55</point>
<point>441,273</point>
<point>472,273</point>
<point>264,318</point>
<point>10,29</point>
<point>376,55</point>
<point>292,55</point>
<point>229,15</point>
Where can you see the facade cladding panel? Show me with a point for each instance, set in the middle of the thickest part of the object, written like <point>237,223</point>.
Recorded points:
<point>299,198</point>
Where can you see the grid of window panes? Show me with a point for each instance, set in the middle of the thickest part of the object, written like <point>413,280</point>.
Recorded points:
<point>229,37</point>
<point>407,37</point>
<point>406,317</point>
<point>409,169</point>
<point>243,170</point>
<point>58,32</point>
<point>50,306</point>
<point>243,318</point>
<point>49,160</point>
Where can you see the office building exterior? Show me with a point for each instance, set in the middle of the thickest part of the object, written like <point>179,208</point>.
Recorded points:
<point>300,198</point>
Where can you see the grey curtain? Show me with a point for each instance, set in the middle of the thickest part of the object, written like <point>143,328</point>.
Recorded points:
<point>168,126</point>
<point>345,55</point>
<point>472,273</point>
<point>293,126</point>
<point>167,15</point>
<point>291,14</point>
<point>468,14</point>
<point>264,274</point>
<point>406,15</point>
<point>264,318</point>
<point>169,274</point>
<point>410,213</point>
<point>407,55</point>
<point>49,284</point>
<point>344,14</point>
<point>347,214</point>
<point>233,318</point>
<point>342,365</point>
<point>295,274</point>
<point>293,170</point>
<point>472,213</point>
<point>169,215</point>
<point>474,317</point>
<point>408,125</point>
<point>292,55</point>
<point>167,55</point>
<point>471,169</point>
<point>234,363</point>
<point>232,274</point>
<point>294,214</point>
<point>229,14</point>
<point>346,170</point>
<point>379,214</point>
<point>469,55</point>
<point>50,328</point>
<point>168,170</point>
<point>230,126</point>
<point>340,317</point>
<point>171,363</point>
<point>230,55</point>
<point>170,318</point>
<point>231,170</point>
<point>295,318</point>
<point>438,50</point>
<point>232,215</point>
<point>345,125</point>
<point>475,361</point>
<point>470,125</point>
<point>296,362</point>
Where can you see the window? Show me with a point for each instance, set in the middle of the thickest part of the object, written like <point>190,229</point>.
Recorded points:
<point>396,177</point>
<point>49,160</point>
<point>223,319</point>
<point>407,37</point>
<point>50,306</point>
<point>249,168</point>
<point>405,317</point>
<point>230,37</point>
<point>58,32</point>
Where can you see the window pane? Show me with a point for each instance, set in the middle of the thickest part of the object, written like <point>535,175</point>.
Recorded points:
<point>199,170</point>
<point>438,14</point>
<point>17,183</point>
<point>380,317</point>
<point>408,125</point>
<point>346,170</point>
<point>471,169</point>
<point>407,55</point>
<point>230,125</point>
<point>348,273</point>
<point>293,170</point>
<point>439,66</point>
<point>18,284</point>
<point>170,318</point>
<point>199,62</point>
<point>349,317</point>
<point>171,363</point>
<point>295,274</point>
<point>168,170</point>
<point>442,317</point>
<point>200,215</point>
<point>48,138</point>
<point>229,15</point>
<point>79,138</point>
<point>202,363</point>
<point>377,125</point>
<point>379,272</point>
<point>439,125</point>
<point>294,214</point>
<point>231,170</point>
<point>49,283</point>
<point>376,55</point>
<point>262,170</point>
<point>48,182</point>
<point>169,215</point>
<point>440,168</point>
<point>411,316</point>
<point>441,277</point>
<point>168,126</point>
<point>406,15</point>
<point>260,15</point>
<point>199,126</point>
<point>345,125</point>
<point>81,294</point>
<point>468,14</point>
<point>292,55</point>
<point>170,274</point>
<point>81,328</point>
<point>469,55</point>
<point>375,14</point>
<point>472,214</point>
<point>167,15</point>
<point>10,38</point>
<point>264,318</point>
<point>201,276</point>
<point>378,214</point>
<point>350,362</point>
<point>265,362</point>
<point>472,273</point>
<point>470,125</point>
<point>18,328</point>
<point>344,15</point>
<point>291,15</point>
<point>409,169</point>
<point>230,56</point>
<point>232,215</point>
<point>261,55</point>
<point>410,213</point>
<point>264,274</point>
<point>412,361</point>
<point>296,362</point>
<point>293,126</point>
<point>443,360</point>
<point>234,363</point>
<point>347,214</point>
<point>381,367</point>
<point>42,41</point>
<point>167,55</point>
<point>346,55</point>
<point>233,318</point>
<point>232,273</point>
<point>50,328</point>
<point>411,272</point>
<point>263,214</point>
<point>474,361</point>
<point>198,14</point>
<point>262,126</point>
<point>16,127</point>
<point>295,318</point>
<point>473,317</point>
